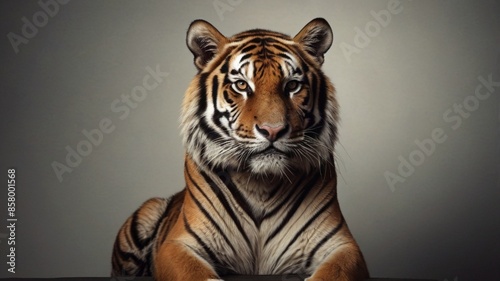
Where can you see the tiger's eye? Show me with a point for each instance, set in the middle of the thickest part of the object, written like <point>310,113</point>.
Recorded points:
<point>292,86</point>
<point>241,85</point>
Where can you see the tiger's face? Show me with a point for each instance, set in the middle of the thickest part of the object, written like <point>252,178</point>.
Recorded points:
<point>260,102</point>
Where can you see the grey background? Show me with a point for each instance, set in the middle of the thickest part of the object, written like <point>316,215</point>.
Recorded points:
<point>442,222</point>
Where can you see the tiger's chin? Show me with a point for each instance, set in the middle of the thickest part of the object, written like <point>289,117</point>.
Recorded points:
<point>275,164</point>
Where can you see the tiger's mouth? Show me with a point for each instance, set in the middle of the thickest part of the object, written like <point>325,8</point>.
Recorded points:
<point>272,150</point>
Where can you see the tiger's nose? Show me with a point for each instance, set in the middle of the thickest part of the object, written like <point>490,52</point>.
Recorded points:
<point>272,132</point>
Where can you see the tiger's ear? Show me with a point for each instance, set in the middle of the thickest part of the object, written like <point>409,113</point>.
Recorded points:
<point>316,38</point>
<point>204,41</point>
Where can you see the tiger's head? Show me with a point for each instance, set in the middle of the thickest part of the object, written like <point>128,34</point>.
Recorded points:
<point>260,102</point>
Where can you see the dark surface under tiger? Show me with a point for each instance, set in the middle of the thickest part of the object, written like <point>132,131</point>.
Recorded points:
<point>226,278</point>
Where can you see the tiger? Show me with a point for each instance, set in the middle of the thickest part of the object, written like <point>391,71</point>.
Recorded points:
<point>259,123</point>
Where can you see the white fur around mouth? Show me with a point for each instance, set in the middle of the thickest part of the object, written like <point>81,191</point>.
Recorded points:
<point>271,150</point>
<point>269,163</point>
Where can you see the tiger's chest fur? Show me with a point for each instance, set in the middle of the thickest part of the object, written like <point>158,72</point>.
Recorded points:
<point>248,225</point>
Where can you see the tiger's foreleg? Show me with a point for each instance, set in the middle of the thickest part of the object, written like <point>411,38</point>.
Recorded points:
<point>132,250</point>
<point>175,261</point>
<point>344,264</point>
